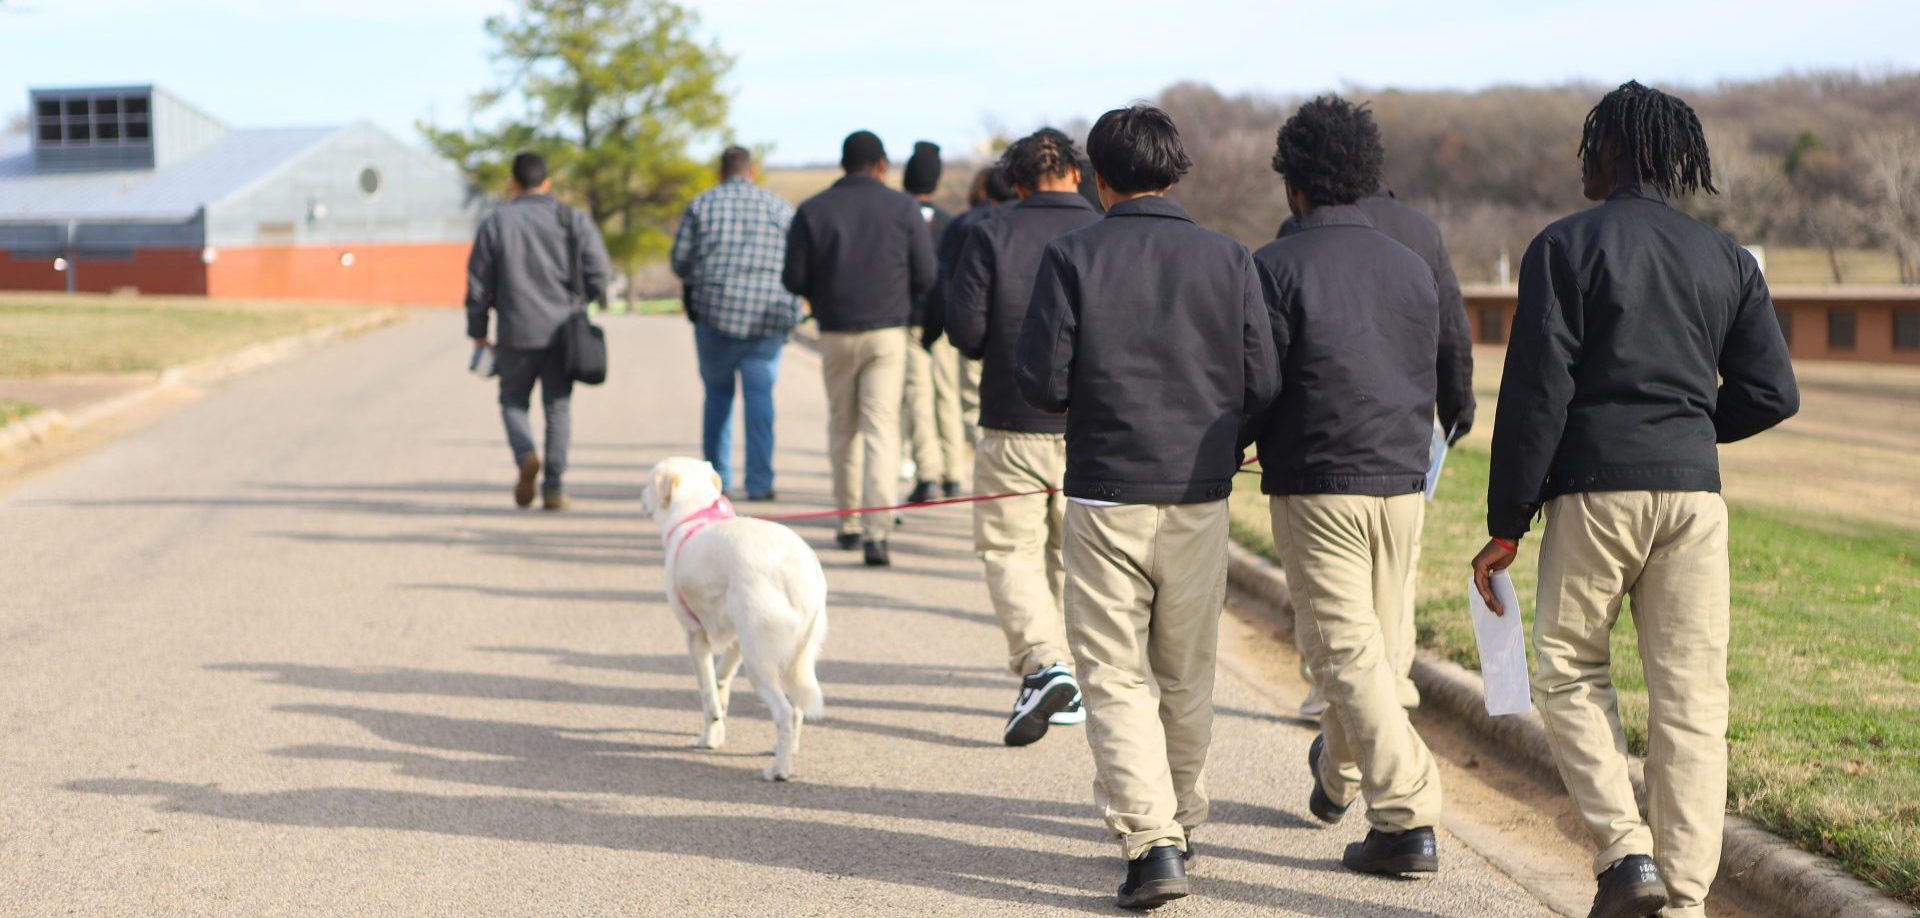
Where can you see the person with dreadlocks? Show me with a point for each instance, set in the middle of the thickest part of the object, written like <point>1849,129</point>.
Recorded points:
<point>960,394</point>
<point>1643,338</point>
<point>1022,449</point>
<point>1356,322</point>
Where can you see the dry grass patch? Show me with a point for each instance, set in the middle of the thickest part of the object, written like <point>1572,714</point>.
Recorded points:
<point>43,336</point>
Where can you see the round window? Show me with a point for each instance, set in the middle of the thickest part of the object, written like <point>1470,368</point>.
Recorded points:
<point>369,181</point>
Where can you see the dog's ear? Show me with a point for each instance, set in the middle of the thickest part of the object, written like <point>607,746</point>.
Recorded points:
<point>663,484</point>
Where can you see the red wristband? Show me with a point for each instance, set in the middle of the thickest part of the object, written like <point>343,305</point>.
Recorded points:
<point>1503,543</point>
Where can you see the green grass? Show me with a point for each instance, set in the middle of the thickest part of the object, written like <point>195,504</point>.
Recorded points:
<point>1824,666</point>
<point>45,336</point>
<point>658,307</point>
<point>11,411</point>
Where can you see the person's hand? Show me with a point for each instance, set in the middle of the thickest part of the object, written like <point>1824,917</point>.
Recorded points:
<point>482,342</point>
<point>1497,556</point>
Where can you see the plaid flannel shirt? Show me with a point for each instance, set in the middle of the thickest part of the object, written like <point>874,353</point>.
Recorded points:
<point>729,252</point>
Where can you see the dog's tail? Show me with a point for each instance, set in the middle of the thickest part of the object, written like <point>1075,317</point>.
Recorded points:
<point>809,599</point>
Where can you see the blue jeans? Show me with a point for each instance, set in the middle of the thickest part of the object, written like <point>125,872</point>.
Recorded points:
<point>757,363</point>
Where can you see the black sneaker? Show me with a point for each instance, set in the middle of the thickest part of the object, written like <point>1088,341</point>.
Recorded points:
<point>877,555</point>
<point>1393,853</point>
<point>1322,806</point>
<point>1042,695</point>
<point>950,488</point>
<point>1631,888</point>
<point>847,540</point>
<point>921,492</point>
<point>1154,879</point>
<point>1073,714</point>
<point>763,498</point>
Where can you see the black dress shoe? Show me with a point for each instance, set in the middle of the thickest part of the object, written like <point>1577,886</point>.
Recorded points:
<point>1631,888</point>
<point>1154,879</point>
<point>1322,806</point>
<point>847,540</point>
<point>1393,853</point>
<point>921,492</point>
<point>877,554</point>
<point>950,488</point>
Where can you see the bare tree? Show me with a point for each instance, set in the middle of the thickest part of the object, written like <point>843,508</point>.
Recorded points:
<point>1891,161</point>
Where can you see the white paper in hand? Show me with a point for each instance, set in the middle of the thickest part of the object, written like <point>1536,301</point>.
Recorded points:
<point>1503,650</point>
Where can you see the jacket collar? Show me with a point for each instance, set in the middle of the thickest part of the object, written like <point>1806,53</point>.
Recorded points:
<point>1067,199</point>
<point>1643,192</point>
<point>1152,205</point>
<point>1335,215</point>
<point>848,181</point>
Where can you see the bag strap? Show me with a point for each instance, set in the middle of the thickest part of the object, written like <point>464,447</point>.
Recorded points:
<point>576,295</point>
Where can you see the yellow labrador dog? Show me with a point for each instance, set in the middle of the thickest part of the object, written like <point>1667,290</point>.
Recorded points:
<point>748,590</point>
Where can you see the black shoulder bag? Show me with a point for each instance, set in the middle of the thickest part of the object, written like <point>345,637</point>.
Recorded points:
<point>584,343</point>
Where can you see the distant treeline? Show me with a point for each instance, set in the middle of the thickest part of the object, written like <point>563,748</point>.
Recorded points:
<point>1825,160</point>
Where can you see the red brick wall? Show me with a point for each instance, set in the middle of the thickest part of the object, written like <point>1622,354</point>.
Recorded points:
<point>428,274</point>
<point>177,271</point>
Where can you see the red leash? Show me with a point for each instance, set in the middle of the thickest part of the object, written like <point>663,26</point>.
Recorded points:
<point>941,502</point>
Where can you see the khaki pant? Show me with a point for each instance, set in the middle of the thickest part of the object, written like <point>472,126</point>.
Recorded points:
<point>919,414</point>
<point>1019,541</point>
<point>1667,550</point>
<point>1401,634</point>
<point>969,397</point>
<point>865,373</point>
<point>1145,586</point>
<point>1348,560</point>
<point>957,431</point>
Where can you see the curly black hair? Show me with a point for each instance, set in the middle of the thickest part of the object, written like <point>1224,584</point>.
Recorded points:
<point>1045,153</point>
<point>1330,151</point>
<point>1655,138</point>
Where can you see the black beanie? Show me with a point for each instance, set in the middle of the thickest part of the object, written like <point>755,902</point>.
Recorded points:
<point>862,150</point>
<point>923,169</point>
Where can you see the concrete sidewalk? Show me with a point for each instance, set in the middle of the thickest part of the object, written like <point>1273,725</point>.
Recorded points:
<point>292,651</point>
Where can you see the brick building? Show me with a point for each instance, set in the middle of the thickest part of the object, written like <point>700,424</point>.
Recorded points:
<point>123,187</point>
<point>1878,324</point>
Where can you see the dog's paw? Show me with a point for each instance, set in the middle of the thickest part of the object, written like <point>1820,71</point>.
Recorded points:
<point>776,773</point>
<point>714,736</point>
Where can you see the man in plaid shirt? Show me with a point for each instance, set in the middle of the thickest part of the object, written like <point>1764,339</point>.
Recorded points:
<point>729,253</point>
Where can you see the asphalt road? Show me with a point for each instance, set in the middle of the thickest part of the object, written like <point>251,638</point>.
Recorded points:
<point>291,650</point>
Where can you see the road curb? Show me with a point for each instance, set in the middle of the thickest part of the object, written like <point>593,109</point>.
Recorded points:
<point>37,428</point>
<point>1762,868</point>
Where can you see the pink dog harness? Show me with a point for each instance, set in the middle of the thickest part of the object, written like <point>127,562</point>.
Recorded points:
<point>720,509</point>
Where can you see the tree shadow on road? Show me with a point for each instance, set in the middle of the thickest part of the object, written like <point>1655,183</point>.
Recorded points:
<point>570,547</point>
<point>832,672</point>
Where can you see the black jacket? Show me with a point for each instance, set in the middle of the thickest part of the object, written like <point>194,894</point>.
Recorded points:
<point>1413,229</point>
<point>937,223</point>
<point>987,299</point>
<point>1150,332</point>
<point>1356,326</point>
<point>946,252</point>
<point>520,268</point>
<point>860,252</point>
<point>1643,338</point>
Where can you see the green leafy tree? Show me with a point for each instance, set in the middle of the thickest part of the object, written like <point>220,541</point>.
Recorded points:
<point>613,93</point>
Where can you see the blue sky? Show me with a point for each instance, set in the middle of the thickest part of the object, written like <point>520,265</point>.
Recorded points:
<point>809,72</point>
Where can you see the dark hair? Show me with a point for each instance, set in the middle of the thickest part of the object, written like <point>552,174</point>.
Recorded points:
<point>862,150</point>
<point>735,161</point>
<point>1043,154</point>
<point>1654,137</point>
<point>529,170</point>
<point>999,188</point>
<point>1136,149</point>
<point>1330,151</point>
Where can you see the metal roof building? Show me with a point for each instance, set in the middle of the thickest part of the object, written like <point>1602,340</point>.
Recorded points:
<point>121,187</point>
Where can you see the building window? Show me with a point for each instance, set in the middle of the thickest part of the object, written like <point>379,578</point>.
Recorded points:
<point>369,181</point>
<point>1906,329</point>
<point>1493,325</point>
<point>1785,318</point>
<point>1840,326</point>
<point>81,121</point>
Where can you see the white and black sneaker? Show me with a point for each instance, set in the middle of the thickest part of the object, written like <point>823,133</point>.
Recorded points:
<point>1070,716</point>
<point>1043,694</point>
